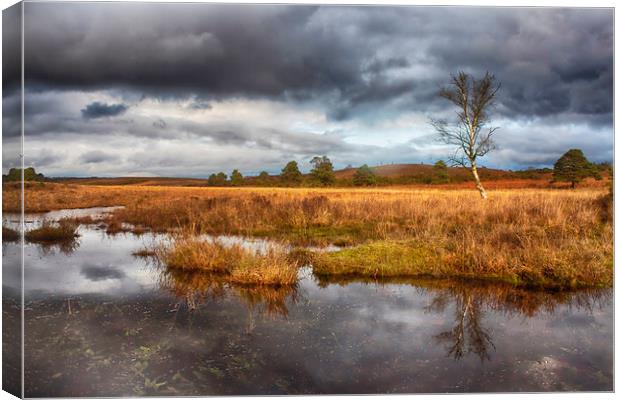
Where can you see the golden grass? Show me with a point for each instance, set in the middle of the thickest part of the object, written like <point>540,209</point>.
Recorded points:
<point>553,237</point>
<point>238,264</point>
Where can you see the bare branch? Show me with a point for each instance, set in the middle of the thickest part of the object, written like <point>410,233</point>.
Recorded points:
<point>473,98</point>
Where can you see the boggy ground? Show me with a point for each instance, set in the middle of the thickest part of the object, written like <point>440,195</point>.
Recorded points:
<point>534,237</point>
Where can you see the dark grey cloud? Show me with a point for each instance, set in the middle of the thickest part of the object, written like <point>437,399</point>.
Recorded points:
<point>357,65</point>
<point>348,54</point>
<point>97,156</point>
<point>100,110</point>
<point>11,83</point>
<point>11,49</point>
<point>44,159</point>
<point>200,105</point>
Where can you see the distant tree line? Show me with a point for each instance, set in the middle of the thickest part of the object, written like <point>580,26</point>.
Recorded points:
<point>322,175</point>
<point>572,167</point>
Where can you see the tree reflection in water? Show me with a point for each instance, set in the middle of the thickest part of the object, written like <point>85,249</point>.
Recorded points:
<point>468,334</point>
<point>472,299</point>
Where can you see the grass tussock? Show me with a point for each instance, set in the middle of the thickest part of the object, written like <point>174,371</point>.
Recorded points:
<point>48,232</point>
<point>571,266</point>
<point>238,264</point>
<point>379,259</point>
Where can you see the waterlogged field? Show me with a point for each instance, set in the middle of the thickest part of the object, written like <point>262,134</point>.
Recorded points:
<point>536,237</point>
<point>200,291</point>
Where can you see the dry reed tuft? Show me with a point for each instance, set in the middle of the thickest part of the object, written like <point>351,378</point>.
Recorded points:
<point>238,264</point>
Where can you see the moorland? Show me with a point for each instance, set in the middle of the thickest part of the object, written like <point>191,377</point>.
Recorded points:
<point>529,232</point>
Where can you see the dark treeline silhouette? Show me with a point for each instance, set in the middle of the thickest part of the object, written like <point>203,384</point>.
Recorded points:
<point>572,168</point>
<point>322,174</point>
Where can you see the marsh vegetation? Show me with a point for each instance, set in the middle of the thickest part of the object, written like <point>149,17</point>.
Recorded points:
<point>109,317</point>
<point>536,237</point>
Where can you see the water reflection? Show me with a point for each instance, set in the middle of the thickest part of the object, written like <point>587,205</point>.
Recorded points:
<point>97,272</point>
<point>468,335</point>
<point>196,288</point>
<point>65,247</point>
<point>469,301</point>
<point>100,322</point>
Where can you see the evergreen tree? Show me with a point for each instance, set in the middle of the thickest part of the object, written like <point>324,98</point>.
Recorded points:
<point>212,181</point>
<point>263,178</point>
<point>236,179</point>
<point>441,172</point>
<point>573,167</point>
<point>290,174</point>
<point>323,171</point>
<point>222,179</point>
<point>364,176</point>
<point>218,179</point>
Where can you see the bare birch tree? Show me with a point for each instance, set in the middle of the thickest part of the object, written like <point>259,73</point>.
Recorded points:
<point>470,134</point>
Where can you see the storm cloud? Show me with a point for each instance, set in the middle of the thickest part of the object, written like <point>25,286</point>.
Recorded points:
<point>96,156</point>
<point>99,110</point>
<point>280,78</point>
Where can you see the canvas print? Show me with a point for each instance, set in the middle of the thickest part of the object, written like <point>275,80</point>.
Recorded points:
<point>250,199</point>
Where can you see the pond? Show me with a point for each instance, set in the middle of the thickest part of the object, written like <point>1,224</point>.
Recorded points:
<point>101,322</point>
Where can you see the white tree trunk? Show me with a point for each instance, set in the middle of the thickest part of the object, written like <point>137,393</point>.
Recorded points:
<point>474,171</point>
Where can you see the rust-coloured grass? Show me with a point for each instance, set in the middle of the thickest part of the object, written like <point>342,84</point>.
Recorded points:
<point>238,264</point>
<point>545,236</point>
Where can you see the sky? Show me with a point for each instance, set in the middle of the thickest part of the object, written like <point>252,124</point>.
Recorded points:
<point>154,89</point>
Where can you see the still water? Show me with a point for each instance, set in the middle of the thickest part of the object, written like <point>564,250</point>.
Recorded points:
<point>101,322</point>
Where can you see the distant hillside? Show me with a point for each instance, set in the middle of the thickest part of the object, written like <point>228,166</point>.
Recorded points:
<point>141,181</point>
<point>392,174</point>
<point>456,174</point>
<point>422,170</point>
